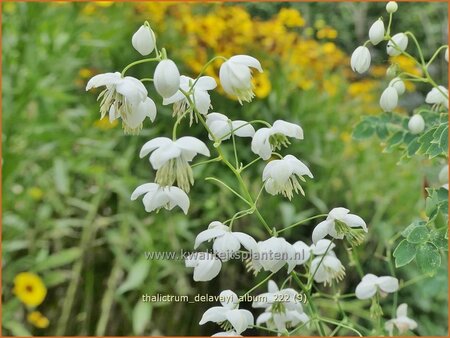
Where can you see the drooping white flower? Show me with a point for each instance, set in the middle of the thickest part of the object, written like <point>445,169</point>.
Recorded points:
<point>389,99</point>
<point>157,197</point>
<point>124,97</point>
<point>370,284</point>
<point>438,96</point>
<point>281,176</point>
<point>391,7</point>
<point>198,95</point>
<point>360,59</point>
<point>326,267</point>
<point>397,44</point>
<point>230,333</point>
<point>171,159</point>
<point>144,40</point>
<point>206,266</point>
<point>416,124</point>
<point>402,322</point>
<point>267,140</point>
<point>398,84</point>
<point>222,127</point>
<point>272,254</point>
<point>235,76</point>
<point>302,252</point>
<point>166,78</point>
<point>226,242</point>
<point>229,315</point>
<point>338,223</point>
<point>376,32</point>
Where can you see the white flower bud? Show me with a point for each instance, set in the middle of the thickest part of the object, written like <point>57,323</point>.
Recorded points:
<point>446,55</point>
<point>416,124</point>
<point>397,44</point>
<point>376,32</point>
<point>392,71</point>
<point>166,78</point>
<point>391,7</point>
<point>360,60</point>
<point>144,40</point>
<point>398,84</point>
<point>389,99</point>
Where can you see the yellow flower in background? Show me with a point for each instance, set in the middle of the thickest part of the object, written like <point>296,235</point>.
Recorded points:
<point>104,3</point>
<point>29,288</point>
<point>38,320</point>
<point>104,124</point>
<point>89,9</point>
<point>290,18</point>
<point>262,84</point>
<point>35,193</point>
<point>327,33</point>
<point>86,73</point>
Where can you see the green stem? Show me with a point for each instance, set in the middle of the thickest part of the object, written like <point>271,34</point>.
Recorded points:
<point>258,285</point>
<point>436,53</point>
<point>229,188</point>
<point>139,62</point>
<point>331,321</point>
<point>302,221</point>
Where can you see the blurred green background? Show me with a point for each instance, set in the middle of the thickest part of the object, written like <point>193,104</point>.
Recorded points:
<point>67,177</point>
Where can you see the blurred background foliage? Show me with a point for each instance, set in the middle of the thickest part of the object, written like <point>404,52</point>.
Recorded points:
<point>67,176</point>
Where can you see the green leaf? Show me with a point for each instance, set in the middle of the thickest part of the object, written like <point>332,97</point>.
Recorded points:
<point>61,176</point>
<point>428,258</point>
<point>443,140</point>
<point>413,147</point>
<point>17,329</point>
<point>58,259</point>
<point>142,314</point>
<point>418,235</point>
<point>363,130</point>
<point>411,227</point>
<point>439,238</point>
<point>136,276</point>
<point>404,253</point>
<point>394,140</point>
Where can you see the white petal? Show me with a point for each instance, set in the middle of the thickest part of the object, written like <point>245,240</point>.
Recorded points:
<point>153,144</point>
<point>178,197</point>
<point>321,247</point>
<point>365,290</point>
<point>202,101</point>
<point>206,235</point>
<point>216,314</point>
<point>243,128</point>
<point>387,284</point>
<point>260,143</point>
<point>166,78</point>
<point>225,246</point>
<point>156,200</point>
<point>298,166</point>
<point>338,213</point>
<point>402,310</point>
<point>248,61</point>
<point>226,334</point>
<point>132,89</point>
<point>143,40</point>
<point>206,83</point>
<point>143,189</point>
<point>208,267</point>
<point>263,318</point>
<point>228,299</point>
<point>288,129</point>
<point>354,221</point>
<point>240,319</point>
<point>272,287</point>
<point>303,252</point>
<point>192,144</point>
<point>246,240</point>
<point>163,154</point>
<point>321,230</point>
<point>103,80</point>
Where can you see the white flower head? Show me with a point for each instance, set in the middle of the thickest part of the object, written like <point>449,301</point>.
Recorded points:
<point>376,32</point>
<point>226,242</point>
<point>402,322</point>
<point>235,76</point>
<point>397,44</point>
<point>389,99</point>
<point>267,140</point>
<point>398,84</point>
<point>229,316</point>
<point>199,95</point>
<point>157,197</point>
<point>438,96</point>
<point>281,176</point>
<point>303,252</point>
<point>326,267</point>
<point>272,254</point>
<point>338,224</point>
<point>391,7</point>
<point>370,284</point>
<point>360,59</point>
<point>222,127</point>
<point>416,124</point>
<point>206,266</point>
<point>124,97</point>
<point>166,78</point>
<point>171,159</point>
<point>144,40</point>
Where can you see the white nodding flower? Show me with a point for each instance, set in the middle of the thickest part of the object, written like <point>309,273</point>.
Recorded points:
<point>206,266</point>
<point>338,224</point>
<point>326,267</point>
<point>267,140</point>
<point>402,322</point>
<point>302,251</point>
<point>199,96</point>
<point>236,77</point>
<point>157,197</point>
<point>438,96</point>
<point>360,59</point>
<point>229,316</point>
<point>416,124</point>
<point>281,176</point>
<point>389,99</point>
<point>370,284</point>
<point>391,7</point>
<point>398,84</point>
<point>124,97</point>
<point>282,308</point>
<point>272,254</point>
<point>397,44</point>
<point>376,32</point>
<point>166,78</point>
<point>230,333</point>
<point>443,175</point>
<point>222,127</point>
<point>171,159</point>
<point>144,40</point>
<point>226,242</point>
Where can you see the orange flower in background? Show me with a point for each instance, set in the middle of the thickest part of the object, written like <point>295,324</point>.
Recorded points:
<point>38,320</point>
<point>29,288</point>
